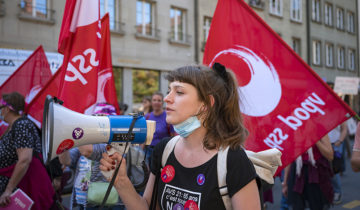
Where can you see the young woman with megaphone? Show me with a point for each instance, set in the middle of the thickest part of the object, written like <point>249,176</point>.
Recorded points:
<point>203,106</point>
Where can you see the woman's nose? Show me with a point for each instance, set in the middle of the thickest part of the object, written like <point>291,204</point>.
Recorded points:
<point>167,98</point>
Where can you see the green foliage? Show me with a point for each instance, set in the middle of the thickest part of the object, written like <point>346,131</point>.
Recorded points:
<point>118,82</point>
<point>145,83</point>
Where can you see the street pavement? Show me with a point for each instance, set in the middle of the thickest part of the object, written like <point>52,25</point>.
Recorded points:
<point>350,182</point>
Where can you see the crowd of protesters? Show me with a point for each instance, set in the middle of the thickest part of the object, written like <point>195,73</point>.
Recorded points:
<point>199,122</point>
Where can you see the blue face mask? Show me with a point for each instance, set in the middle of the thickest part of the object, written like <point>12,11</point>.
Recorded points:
<point>185,128</point>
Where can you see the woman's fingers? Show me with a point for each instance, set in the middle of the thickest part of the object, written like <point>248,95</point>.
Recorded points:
<point>108,162</point>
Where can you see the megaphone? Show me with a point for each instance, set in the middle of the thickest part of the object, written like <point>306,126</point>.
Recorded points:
<point>64,129</point>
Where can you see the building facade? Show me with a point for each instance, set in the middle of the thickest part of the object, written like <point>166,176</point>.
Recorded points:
<point>288,19</point>
<point>148,38</point>
<point>151,37</point>
<point>333,39</point>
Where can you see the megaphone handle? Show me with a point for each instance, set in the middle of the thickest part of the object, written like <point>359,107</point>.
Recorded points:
<point>111,149</point>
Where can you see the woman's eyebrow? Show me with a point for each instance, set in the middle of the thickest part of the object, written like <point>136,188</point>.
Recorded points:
<point>178,86</point>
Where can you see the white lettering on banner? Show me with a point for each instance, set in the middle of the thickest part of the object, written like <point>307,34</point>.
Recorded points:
<point>276,138</point>
<point>307,107</point>
<point>82,69</point>
<point>77,75</point>
<point>303,112</point>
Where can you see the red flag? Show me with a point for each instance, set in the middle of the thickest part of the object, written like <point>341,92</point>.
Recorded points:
<point>285,104</point>
<point>106,87</point>
<point>28,79</point>
<point>106,91</point>
<point>36,108</point>
<point>80,39</point>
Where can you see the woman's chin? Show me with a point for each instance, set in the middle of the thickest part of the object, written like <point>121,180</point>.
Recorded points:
<point>170,120</point>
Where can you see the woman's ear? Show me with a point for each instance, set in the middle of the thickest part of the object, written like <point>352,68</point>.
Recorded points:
<point>212,100</point>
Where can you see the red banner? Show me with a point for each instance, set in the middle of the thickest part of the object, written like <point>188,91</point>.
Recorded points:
<point>285,104</point>
<point>28,79</point>
<point>80,41</point>
<point>106,91</point>
<point>36,108</point>
<point>106,87</point>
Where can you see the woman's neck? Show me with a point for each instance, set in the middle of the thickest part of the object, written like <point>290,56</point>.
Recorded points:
<point>12,119</point>
<point>195,140</point>
<point>158,112</point>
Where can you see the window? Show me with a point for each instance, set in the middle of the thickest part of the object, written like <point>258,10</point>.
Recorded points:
<point>328,14</point>
<point>35,8</point>
<point>276,7</point>
<point>341,57</point>
<point>178,25</point>
<point>109,6</point>
<point>329,51</point>
<point>351,24</point>
<point>316,10</point>
<point>352,59</point>
<point>2,8</point>
<point>206,27</point>
<point>145,24</point>
<point>296,45</point>
<point>316,52</point>
<point>340,18</point>
<point>257,3</point>
<point>296,10</point>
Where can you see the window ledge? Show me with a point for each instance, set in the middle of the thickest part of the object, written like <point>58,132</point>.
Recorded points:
<point>118,28</point>
<point>147,37</point>
<point>329,26</point>
<point>330,67</point>
<point>118,32</point>
<point>179,42</point>
<point>352,33</point>
<point>296,21</point>
<point>276,15</point>
<point>316,21</point>
<point>341,68</point>
<point>317,65</point>
<point>340,29</point>
<point>36,19</point>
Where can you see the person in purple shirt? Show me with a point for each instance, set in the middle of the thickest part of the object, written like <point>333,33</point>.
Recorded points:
<point>159,116</point>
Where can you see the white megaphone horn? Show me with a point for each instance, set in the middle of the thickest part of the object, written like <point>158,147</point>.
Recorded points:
<point>64,129</point>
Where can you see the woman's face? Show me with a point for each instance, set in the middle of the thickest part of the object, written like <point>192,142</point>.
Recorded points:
<point>3,112</point>
<point>146,103</point>
<point>157,102</point>
<point>182,102</point>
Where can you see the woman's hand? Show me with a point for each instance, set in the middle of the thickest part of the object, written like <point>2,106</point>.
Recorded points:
<point>108,163</point>
<point>284,189</point>
<point>5,198</point>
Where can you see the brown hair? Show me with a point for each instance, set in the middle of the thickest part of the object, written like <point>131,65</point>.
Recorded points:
<point>158,93</point>
<point>223,120</point>
<point>16,100</point>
